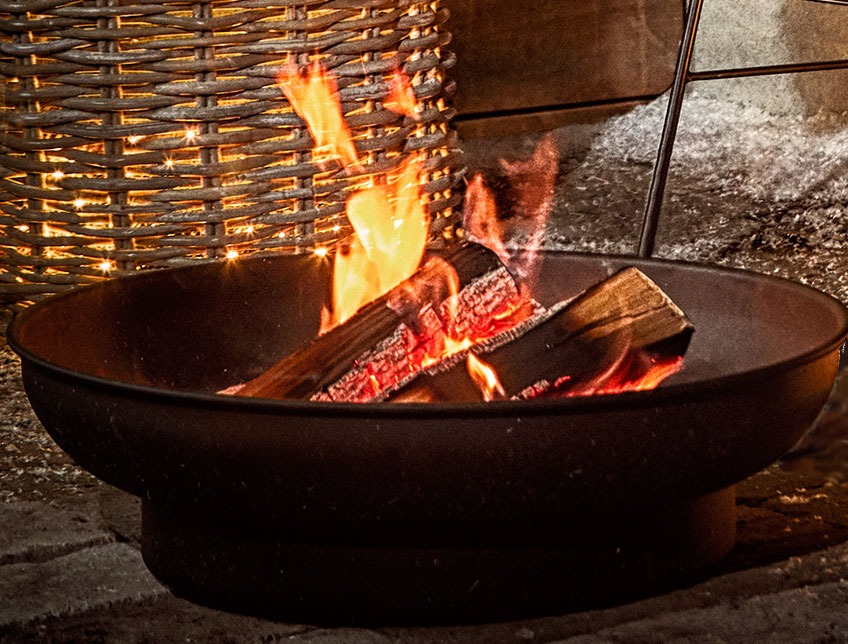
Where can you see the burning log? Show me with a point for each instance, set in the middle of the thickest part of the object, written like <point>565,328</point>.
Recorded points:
<point>383,336</point>
<point>404,346</point>
<point>614,333</point>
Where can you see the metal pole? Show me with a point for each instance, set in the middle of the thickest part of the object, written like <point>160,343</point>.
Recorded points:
<point>672,117</point>
<point>770,70</point>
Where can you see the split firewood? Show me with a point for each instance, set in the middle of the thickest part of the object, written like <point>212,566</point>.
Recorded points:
<point>623,319</point>
<point>385,336</point>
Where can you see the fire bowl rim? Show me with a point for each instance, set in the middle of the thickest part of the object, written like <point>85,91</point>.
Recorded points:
<point>669,392</point>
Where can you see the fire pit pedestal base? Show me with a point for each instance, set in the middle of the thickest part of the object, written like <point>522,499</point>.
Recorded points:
<point>347,579</point>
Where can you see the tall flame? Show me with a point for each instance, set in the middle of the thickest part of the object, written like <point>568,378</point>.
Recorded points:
<point>480,218</point>
<point>391,226</point>
<point>390,221</point>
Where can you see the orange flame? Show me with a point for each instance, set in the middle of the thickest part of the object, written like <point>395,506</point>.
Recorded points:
<point>401,98</point>
<point>633,372</point>
<point>657,372</point>
<point>485,377</point>
<point>532,182</point>
<point>480,218</point>
<point>515,236</point>
<point>315,98</point>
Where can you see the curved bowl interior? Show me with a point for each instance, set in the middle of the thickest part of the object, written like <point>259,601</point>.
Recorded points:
<point>123,375</point>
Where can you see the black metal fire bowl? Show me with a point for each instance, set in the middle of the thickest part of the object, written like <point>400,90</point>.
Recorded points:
<point>418,512</point>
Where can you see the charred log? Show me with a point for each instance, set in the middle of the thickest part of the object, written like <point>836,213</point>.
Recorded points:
<point>621,323</point>
<point>477,311</point>
<point>391,327</point>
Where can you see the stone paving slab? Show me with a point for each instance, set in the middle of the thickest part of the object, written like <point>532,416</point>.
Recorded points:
<point>34,532</point>
<point>163,620</point>
<point>93,578</point>
<point>801,616</point>
<point>726,608</point>
<point>803,599</point>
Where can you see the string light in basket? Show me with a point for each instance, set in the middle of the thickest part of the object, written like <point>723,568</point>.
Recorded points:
<point>158,151</point>
<point>321,251</point>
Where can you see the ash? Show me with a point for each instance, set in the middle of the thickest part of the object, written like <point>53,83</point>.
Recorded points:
<point>746,188</point>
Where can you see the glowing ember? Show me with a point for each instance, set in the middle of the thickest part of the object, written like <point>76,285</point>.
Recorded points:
<point>436,334</point>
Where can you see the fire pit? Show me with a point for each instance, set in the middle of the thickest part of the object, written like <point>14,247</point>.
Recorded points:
<point>427,512</point>
<point>441,511</point>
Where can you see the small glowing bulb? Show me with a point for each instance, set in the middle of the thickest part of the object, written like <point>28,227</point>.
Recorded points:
<point>169,163</point>
<point>79,203</point>
<point>133,139</point>
<point>249,230</point>
<point>105,266</point>
<point>190,134</point>
<point>282,235</point>
<point>321,251</point>
<point>336,228</point>
<point>58,174</point>
<point>232,254</point>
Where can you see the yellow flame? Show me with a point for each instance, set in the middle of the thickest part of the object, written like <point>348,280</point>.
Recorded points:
<point>391,226</point>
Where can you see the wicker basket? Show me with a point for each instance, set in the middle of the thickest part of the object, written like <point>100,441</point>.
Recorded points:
<point>144,133</point>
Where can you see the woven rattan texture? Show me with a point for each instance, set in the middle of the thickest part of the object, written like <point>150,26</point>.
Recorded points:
<point>146,133</point>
